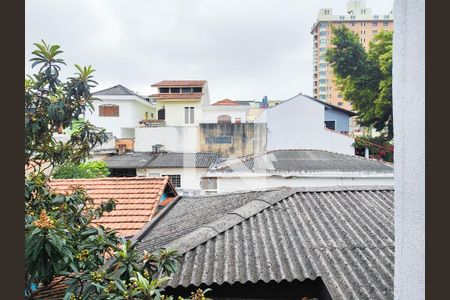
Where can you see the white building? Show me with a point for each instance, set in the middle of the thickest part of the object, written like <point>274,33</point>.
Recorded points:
<point>225,110</point>
<point>295,168</point>
<point>300,123</point>
<point>184,169</point>
<point>181,102</point>
<point>119,110</point>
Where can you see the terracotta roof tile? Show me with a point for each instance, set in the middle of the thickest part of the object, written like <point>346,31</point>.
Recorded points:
<point>225,102</point>
<point>180,83</point>
<point>137,199</point>
<point>163,96</point>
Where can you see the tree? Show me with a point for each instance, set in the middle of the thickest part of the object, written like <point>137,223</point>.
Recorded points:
<point>61,243</point>
<point>90,169</point>
<point>365,78</point>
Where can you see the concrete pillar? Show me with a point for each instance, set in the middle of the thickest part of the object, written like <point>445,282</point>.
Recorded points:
<point>409,130</point>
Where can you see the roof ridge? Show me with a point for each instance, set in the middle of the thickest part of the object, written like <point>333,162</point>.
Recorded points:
<point>229,220</point>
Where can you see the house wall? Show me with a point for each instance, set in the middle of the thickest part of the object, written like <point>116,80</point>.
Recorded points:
<point>175,112</point>
<point>174,138</point>
<point>408,89</point>
<point>229,184</point>
<point>190,177</point>
<point>298,123</point>
<point>210,114</point>
<point>130,113</point>
<point>342,119</point>
<point>247,138</point>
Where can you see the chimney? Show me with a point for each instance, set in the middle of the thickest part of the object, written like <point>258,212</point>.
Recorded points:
<point>158,148</point>
<point>122,149</point>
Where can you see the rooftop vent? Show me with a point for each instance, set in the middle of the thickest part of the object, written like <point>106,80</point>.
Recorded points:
<point>158,148</point>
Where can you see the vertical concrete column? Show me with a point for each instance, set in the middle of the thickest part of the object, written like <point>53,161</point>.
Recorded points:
<point>409,130</point>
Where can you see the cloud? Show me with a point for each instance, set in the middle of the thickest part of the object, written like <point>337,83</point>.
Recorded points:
<point>244,48</point>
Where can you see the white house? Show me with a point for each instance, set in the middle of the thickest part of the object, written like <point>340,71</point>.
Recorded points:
<point>295,168</point>
<point>184,169</point>
<point>119,110</point>
<point>225,110</point>
<point>301,123</point>
<point>181,102</point>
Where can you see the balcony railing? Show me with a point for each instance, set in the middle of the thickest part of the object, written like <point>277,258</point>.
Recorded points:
<point>152,123</point>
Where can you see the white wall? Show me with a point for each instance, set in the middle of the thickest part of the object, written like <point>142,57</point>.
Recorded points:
<point>299,124</point>
<point>210,114</point>
<point>174,138</point>
<point>130,113</point>
<point>190,177</point>
<point>409,129</point>
<point>175,112</point>
<point>229,184</point>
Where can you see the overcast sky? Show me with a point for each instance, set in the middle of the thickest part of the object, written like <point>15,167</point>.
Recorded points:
<point>244,48</point>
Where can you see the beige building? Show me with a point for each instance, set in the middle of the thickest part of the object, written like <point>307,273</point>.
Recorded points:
<point>358,19</point>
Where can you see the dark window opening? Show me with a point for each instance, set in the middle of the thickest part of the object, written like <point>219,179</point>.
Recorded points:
<point>175,90</point>
<point>164,90</point>
<point>162,114</point>
<point>122,172</point>
<point>186,90</point>
<point>330,125</point>
<point>197,89</point>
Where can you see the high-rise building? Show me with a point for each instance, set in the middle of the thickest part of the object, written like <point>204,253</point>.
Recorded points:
<point>358,19</point>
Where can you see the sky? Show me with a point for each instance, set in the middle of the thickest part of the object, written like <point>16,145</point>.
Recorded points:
<point>245,49</point>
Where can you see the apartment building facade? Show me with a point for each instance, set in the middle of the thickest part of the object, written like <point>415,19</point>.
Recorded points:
<point>359,19</point>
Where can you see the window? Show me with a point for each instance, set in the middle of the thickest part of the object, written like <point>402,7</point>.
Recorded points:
<point>323,49</point>
<point>175,90</point>
<point>196,89</point>
<point>164,90</point>
<point>186,90</point>
<point>162,114</point>
<point>340,103</point>
<point>146,115</point>
<point>322,89</point>
<point>341,17</point>
<point>322,65</point>
<point>322,80</point>
<point>385,24</point>
<point>374,24</point>
<point>352,17</point>
<point>219,140</point>
<point>323,33</point>
<point>323,25</point>
<point>375,17</point>
<point>152,115</point>
<point>374,32</point>
<point>189,115</point>
<point>330,125</point>
<point>323,42</point>
<point>322,97</point>
<point>108,110</point>
<point>339,96</point>
<point>175,179</point>
<point>323,73</point>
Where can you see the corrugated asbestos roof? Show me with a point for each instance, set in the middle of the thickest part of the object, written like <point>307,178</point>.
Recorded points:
<point>162,160</point>
<point>345,235</point>
<point>299,162</point>
<point>135,160</point>
<point>136,199</point>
